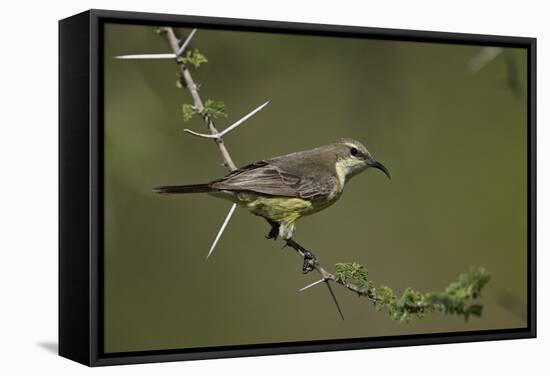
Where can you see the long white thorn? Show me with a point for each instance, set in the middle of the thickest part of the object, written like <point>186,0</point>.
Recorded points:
<point>222,228</point>
<point>159,56</point>
<point>203,135</point>
<point>334,299</point>
<point>187,40</point>
<point>230,128</point>
<point>311,285</point>
<point>242,120</point>
<point>145,56</point>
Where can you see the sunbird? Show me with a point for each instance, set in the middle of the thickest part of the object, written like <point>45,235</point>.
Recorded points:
<point>285,188</point>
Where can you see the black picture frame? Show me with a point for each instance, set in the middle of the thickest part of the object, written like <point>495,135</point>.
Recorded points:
<point>81,182</point>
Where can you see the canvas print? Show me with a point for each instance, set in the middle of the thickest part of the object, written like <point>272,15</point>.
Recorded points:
<point>265,187</point>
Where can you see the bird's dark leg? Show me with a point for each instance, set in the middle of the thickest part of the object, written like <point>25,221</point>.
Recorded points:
<point>310,261</point>
<point>274,232</point>
<point>309,258</point>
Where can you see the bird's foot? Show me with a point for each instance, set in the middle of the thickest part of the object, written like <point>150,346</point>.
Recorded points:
<point>309,258</point>
<point>274,232</point>
<point>309,262</point>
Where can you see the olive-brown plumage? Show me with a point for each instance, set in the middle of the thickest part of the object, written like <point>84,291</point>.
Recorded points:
<point>285,188</point>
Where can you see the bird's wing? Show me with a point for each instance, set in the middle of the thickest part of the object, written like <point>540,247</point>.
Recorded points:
<point>267,178</point>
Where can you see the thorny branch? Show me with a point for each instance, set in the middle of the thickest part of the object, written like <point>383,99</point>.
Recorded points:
<point>351,276</point>
<point>193,90</point>
<point>199,108</point>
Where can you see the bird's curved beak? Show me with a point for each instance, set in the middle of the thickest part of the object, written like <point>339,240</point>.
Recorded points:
<point>378,165</point>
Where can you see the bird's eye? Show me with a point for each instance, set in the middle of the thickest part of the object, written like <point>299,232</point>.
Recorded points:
<point>354,151</point>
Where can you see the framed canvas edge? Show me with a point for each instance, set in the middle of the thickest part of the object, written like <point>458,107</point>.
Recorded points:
<point>99,358</point>
<point>291,348</point>
<point>287,27</point>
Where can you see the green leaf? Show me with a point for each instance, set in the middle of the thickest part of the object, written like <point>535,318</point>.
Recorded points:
<point>187,111</point>
<point>214,109</point>
<point>195,58</point>
<point>352,272</point>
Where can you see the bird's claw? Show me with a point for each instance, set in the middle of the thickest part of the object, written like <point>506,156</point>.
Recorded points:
<point>309,262</point>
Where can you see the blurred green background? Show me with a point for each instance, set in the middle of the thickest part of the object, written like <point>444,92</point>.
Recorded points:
<point>453,138</point>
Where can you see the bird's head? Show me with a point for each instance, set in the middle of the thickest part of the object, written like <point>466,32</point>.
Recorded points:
<point>352,158</point>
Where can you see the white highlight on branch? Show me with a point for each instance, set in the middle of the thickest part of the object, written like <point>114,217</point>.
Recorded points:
<point>312,284</point>
<point>222,228</point>
<point>187,40</point>
<point>231,127</point>
<point>145,56</point>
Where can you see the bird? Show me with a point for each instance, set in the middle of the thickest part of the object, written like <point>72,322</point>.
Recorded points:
<point>286,188</point>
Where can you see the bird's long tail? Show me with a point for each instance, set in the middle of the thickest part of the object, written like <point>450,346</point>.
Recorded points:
<point>192,188</point>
